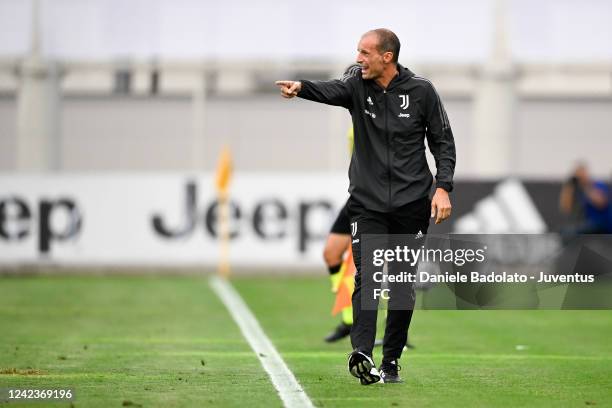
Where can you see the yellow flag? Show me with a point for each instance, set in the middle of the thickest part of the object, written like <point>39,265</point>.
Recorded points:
<point>224,171</point>
<point>347,284</point>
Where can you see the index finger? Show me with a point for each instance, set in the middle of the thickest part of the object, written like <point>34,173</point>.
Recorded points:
<point>283,83</point>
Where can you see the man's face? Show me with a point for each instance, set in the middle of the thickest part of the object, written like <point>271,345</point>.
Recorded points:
<point>582,174</point>
<point>368,56</point>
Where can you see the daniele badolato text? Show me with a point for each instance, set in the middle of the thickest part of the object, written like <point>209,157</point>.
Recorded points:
<point>412,259</point>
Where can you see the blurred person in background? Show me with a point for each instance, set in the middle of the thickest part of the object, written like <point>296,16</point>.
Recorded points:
<point>587,202</point>
<point>337,244</point>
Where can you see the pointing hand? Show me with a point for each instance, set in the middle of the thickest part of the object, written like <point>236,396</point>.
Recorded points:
<point>289,89</point>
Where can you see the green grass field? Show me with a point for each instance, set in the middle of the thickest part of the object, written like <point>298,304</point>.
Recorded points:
<point>169,342</point>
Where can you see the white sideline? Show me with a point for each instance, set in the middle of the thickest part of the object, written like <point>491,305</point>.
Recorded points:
<point>289,390</point>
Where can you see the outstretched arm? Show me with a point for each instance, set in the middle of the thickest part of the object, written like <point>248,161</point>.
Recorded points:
<point>334,92</point>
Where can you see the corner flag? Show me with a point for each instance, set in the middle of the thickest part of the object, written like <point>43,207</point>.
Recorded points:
<point>222,182</point>
<point>224,171</point>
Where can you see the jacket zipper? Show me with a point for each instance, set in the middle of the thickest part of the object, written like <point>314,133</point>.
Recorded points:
<point>388,156</point>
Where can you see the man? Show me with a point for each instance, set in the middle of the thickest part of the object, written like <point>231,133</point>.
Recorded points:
<point>591,198</point>
<point>393,113</point>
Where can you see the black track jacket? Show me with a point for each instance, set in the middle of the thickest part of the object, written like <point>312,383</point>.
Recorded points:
<point>388,166</point>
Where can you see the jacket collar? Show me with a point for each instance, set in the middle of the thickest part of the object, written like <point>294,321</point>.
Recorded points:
<point>404,74</point>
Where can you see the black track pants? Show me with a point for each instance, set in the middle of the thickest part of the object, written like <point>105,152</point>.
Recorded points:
<point>408,219</point>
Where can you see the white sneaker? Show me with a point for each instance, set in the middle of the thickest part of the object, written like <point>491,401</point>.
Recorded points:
<point>361,366</point>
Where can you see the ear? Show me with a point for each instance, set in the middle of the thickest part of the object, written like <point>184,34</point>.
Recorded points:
<point>387,57</point>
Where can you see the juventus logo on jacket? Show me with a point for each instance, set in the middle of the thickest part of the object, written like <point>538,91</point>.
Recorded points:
<point>405,101</point>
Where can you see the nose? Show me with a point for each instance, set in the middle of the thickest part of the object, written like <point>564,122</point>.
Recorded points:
<point>359,59</point>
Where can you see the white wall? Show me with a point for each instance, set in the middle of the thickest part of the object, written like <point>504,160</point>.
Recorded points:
<point>269,133</point>
<point>554,134</point>
<point>8,124</point>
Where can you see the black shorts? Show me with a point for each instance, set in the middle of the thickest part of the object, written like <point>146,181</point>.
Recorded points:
<point>342,225</point>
